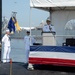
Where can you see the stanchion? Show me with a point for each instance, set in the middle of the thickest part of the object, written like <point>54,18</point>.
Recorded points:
<point>10,66</point>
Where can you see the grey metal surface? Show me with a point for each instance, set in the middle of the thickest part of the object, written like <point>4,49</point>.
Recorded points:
<point>20,69</point>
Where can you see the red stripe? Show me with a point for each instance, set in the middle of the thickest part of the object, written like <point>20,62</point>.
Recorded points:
<point>52,61</point>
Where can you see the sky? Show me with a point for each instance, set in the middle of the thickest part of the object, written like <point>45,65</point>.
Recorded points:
<point>22,7</point>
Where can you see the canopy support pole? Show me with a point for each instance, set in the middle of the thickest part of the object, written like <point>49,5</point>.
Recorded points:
<point>50,13</point>
<point>30,23</point>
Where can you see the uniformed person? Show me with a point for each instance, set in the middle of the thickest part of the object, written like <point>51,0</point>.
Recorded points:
<point>28,40</point>
<point>6,47</point>
<point>48,27</point>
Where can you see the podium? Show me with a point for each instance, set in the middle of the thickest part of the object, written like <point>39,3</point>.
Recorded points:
<point>48,39</point>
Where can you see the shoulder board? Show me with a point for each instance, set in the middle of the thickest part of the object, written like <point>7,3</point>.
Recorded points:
<point>45,25</point>
<point>52,25</point>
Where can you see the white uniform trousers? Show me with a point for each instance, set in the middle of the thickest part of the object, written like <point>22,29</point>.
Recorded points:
<point>27,49</point>
<point>6,53</point>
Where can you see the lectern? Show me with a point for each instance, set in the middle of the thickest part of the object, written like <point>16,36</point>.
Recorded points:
<point>48,38</point>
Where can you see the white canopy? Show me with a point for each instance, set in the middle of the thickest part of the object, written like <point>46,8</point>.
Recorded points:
<point>58,16</point>
<point>46,4</point>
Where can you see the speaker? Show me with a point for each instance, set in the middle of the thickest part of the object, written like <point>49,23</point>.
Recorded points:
<point>70,42</point>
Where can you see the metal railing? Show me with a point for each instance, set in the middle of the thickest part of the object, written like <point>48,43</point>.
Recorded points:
<point>39,38</point>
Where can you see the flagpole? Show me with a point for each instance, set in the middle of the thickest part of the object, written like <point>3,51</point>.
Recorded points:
<point>30,24</point>
<point>14,14</point>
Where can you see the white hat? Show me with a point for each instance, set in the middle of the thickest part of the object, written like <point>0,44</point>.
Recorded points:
<point>7,30</point>
<point>48,19</point>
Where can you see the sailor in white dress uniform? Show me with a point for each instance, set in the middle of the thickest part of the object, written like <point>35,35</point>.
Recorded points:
<point>28,40</point>
<point>7,48</point>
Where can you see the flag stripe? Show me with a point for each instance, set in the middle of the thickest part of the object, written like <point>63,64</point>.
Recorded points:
<point>52,61</point>
<point>53,49</point>
<point>59,55</point>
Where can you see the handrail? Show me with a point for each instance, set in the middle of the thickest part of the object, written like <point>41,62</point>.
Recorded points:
<point>41,36</point>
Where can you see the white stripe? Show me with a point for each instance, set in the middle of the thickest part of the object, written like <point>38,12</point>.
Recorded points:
<point>60,55</point>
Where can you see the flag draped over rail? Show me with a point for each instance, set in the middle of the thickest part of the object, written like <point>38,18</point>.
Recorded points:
<point>52,55</point>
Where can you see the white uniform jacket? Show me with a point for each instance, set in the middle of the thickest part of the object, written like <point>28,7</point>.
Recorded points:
<point>6,40</point>
<point>48,28</point>
<point>28,42</point>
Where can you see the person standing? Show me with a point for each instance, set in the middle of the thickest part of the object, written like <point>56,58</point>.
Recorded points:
<point>6,47</point>
<point>48,27</point>
<point>28,40</point>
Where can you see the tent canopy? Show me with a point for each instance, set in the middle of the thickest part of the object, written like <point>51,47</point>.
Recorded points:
<point>52,4</point>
